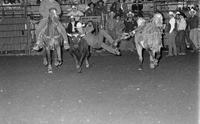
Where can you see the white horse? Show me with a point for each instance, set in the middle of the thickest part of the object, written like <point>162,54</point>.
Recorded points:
<point>148,36</point>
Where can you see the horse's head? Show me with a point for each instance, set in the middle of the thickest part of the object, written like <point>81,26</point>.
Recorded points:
<point>158,20</point>
<point>53,15</point>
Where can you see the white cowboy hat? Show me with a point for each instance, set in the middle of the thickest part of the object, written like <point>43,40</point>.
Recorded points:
<point>72,17</point>
<point>74,7</point>
<point>171,13</point>
<point>178,13</point>
<point>192,11</point>
<point>79,25</point>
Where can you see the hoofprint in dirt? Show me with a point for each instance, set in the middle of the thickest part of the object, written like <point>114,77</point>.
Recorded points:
<point>112,91</point>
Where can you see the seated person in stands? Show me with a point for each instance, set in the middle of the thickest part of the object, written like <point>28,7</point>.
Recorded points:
<point>137,8</point>
<point>115,7</point>
<point>76,13</point>
<point>100,8</point>
<point>44,9</point>
<point>130,23</point>
<point>71,26</point>
<point>91,11</point>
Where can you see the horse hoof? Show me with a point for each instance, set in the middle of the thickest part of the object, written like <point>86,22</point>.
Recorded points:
<point>87,66</point>
<point>152,66</point>
<point>45,63</point>
<point>50,71</point>
<point>78,66</point>
<point>58,63</point>
<point>79,70</point>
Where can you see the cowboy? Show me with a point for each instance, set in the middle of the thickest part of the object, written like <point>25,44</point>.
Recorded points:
<point>171,35</point>
<point>45,7</point>
<point>180,37</point>
<point>193,27</point>
<point>75,13</point>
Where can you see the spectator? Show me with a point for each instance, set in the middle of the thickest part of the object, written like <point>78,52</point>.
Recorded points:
<point>171,34</point>
<point>71,26</point>
<point>116,8</point>
<point>110,26</point>
<point>180,37</point>
<point>91,11</point>
<point>75,13</point>
<point>130,23</point>
<point>38,2</point>
<point>100,8</point>
<point>193,26</point>
<point>119,26</point>
<point>123,6</point>
<point>137,8</point>
<point>44,10</point>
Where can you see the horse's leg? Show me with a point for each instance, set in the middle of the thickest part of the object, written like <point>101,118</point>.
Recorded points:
<point>153,60</point>
<point>49,60</point>
<point>58,58</point>
<point>45,61</point>
<point>139,51</point>
<point>87,64</point>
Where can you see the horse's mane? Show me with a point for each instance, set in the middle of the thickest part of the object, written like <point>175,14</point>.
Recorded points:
<point>48,29</point>
<point>49,22</point>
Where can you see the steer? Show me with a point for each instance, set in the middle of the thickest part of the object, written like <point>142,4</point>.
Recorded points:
<point>79,50</point>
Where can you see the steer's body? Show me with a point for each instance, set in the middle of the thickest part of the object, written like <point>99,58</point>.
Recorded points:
<point>79,50</point>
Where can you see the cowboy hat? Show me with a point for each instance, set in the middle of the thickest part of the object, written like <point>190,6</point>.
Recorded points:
<point>74,7</point>
<point>171,13</point>
<point>79,25</point>
<point>178,13</point>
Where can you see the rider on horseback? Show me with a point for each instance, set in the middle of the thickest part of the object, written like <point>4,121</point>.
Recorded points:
<point>48,7</point>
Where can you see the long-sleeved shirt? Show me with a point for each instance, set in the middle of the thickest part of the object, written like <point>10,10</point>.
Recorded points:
<point>172,23</point>
<point>181,24</point>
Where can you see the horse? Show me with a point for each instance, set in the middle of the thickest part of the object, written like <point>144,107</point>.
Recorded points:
<point>148,36</point>
<point>52,41</point>
<point>79,50</point>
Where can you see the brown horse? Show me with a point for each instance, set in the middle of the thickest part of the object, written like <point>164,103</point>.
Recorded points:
<point>52,41</point>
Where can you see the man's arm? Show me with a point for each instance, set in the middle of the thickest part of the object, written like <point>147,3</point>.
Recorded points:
<point>172,25</point>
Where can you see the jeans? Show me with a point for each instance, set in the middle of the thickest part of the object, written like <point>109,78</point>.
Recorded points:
<point>180,41</point>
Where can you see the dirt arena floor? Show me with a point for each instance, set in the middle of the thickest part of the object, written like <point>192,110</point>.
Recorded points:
<point>111,91</point>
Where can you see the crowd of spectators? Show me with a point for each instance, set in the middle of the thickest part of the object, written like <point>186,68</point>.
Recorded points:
<point>119,18</point>
<point>12,2</point>
<point>182,32</point>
